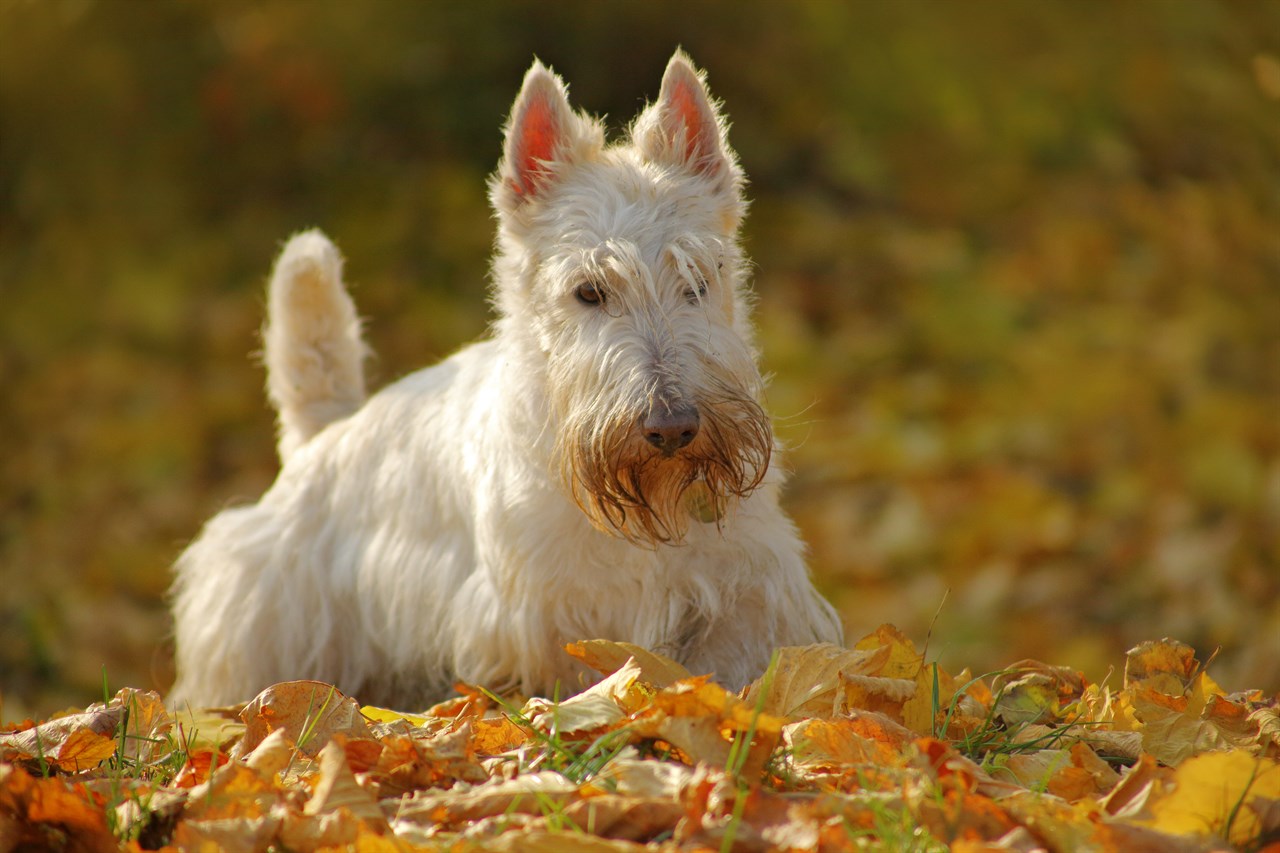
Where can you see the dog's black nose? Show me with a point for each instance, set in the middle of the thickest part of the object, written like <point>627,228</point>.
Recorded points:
<point>672,429</point>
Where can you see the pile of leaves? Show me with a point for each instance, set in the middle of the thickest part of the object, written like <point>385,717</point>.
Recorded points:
<point>866,748</point>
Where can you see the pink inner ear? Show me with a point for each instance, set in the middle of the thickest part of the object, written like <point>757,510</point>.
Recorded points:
<point>684,104</point>
<point>536,135</point>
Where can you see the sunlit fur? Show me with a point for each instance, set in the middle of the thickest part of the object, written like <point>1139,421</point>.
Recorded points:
<point>467,521</point>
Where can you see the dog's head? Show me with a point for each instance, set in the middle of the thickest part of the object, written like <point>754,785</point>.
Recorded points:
<point>619,265</point>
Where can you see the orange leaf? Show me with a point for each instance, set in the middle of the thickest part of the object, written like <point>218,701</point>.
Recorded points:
<point>607,657</point>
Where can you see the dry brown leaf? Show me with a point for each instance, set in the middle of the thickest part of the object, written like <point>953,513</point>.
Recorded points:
<point>580,714</point>
<point>199,765</point>
<point>1137,785</point>
<point>1065,827</point>
<point>70,743</point>
<point>527,794</point>
<point>1268,722</point>
<point>1066,797</point>
<point>410,762</point>
<point>840,748</point>
<point>1174,728</point>
<point>882,695</point>
<point>600,706</point>
<point>607,657</point>
<point>535,840</point>
<point>1073,773</point>
<point>701,718</point>
<point>649,779</point>
<point>805,681</point>
<point>1164,665</point>
<point>272,755</point>
<point>310,712</point>
<point>964,815</point>
<point>625,818</point>
<point>331,829</point>
<point>148,722</point>
<point>241,833</point>
<point>337,789</point>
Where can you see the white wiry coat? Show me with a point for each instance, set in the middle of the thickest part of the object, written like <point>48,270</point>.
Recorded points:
<point>453,526</point>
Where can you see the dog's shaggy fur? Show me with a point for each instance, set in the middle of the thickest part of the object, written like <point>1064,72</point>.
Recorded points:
<point>600,466</point>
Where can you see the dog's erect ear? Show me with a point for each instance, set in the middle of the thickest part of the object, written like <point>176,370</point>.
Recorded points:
<point>541,133</point>
<point>683,127</point>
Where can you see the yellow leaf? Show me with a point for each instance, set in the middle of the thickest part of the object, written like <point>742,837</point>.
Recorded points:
<point>385,715</point>
<point>903,662</point>
<point>918,711</point>
<point>1210,794</point>
<point>210,728</point>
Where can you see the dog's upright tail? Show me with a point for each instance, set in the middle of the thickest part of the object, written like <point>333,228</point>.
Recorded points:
<point>314,351</point>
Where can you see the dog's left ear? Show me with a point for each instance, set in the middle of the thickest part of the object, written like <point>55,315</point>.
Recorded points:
<point>684,128</point>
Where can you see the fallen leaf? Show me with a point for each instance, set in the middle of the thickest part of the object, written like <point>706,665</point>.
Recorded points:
<point>528,794</point>
<point>310,712</point>
<point>840,752</point>
<point>70,743</point>
<point>805,681</point>
<point>1164,665</point>
<point>702,719</point>
<point>600,706</point>
<point>607,657</point>
<point>903,661</point>
<point>35,812</point>
<point>1210,794</point>
<point>337,789</point>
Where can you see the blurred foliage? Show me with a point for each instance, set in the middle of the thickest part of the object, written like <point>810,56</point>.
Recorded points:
<point>1020,263</point>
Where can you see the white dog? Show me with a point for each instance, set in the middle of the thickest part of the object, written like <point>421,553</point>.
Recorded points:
<point>600,466</point>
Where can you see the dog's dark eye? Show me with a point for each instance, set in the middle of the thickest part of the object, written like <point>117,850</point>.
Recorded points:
<point>695,294</point>
<point>590,293</point>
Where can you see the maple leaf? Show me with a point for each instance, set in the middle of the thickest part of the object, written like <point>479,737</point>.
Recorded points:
<point>1180,709</point>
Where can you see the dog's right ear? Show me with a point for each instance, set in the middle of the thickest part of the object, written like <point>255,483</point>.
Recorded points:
<point>542,134</point>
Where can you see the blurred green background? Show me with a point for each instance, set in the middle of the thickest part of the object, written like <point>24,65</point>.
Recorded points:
<point>1019,266</point>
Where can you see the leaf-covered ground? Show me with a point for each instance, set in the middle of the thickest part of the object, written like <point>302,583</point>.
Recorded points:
<point>867,748</point>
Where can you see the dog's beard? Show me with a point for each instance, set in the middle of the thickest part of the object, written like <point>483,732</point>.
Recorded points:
<point>629,488</point>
